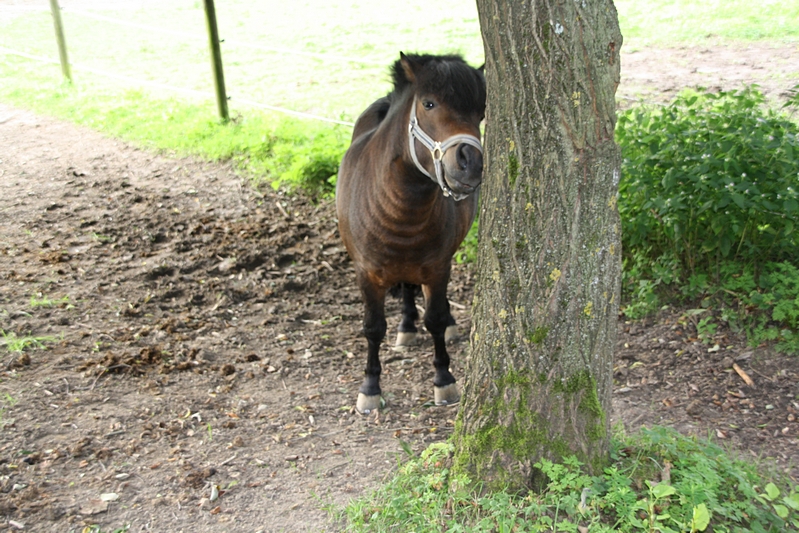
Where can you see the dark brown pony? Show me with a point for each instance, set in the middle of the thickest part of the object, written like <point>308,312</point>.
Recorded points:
<point>406,198</point>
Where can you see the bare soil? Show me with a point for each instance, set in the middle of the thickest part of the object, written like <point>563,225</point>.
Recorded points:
<point>201,347</point>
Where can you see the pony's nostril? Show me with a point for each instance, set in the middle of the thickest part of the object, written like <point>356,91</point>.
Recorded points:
<point>464,156</point>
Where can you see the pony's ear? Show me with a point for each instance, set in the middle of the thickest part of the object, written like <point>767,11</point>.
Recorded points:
<point>409,67</point>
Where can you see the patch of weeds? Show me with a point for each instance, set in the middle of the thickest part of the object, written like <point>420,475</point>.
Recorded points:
<point>39,300</point>
<point>101,238</point>
<point>298,156</point>
<point>98,529</point>
<point>706,329</point>
<point>16,344</point>
<point>765,303</point>
<point>659,480</point>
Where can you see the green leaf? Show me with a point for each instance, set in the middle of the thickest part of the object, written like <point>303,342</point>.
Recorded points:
<point>792,500</point>
<point>701,518</point>
<point>663,491</point>
<point>781,511</point>
<point>772,492</point>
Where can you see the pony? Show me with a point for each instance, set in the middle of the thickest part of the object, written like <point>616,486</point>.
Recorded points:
<point>406,196</point>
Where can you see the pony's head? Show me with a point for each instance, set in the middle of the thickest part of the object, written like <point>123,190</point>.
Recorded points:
<point>448,104</point>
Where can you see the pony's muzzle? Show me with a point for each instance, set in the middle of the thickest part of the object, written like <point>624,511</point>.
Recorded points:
<point>463,168</point>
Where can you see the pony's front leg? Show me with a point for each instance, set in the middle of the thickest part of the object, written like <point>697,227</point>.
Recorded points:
<point>437,319</point>
<point>374,328</point>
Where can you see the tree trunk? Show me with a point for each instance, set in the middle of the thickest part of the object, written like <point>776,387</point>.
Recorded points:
<point>539,375</point>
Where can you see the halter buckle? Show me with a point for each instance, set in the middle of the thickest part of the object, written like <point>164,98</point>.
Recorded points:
<point>437,152</point>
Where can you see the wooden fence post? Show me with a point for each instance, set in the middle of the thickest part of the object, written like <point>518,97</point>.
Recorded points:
<point>59,36</point>
<point>216,60</point>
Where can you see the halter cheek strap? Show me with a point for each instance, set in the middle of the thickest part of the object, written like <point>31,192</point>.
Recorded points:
<point>437,151</point>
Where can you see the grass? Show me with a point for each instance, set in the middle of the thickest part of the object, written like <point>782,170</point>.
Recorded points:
<point>671,22</point>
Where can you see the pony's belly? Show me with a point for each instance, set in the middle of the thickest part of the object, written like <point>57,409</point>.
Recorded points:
<point>399,270</point>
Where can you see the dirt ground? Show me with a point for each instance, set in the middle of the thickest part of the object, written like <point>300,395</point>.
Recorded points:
<point>200,350</point>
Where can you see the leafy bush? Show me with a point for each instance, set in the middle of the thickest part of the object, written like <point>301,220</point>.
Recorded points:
<point>710,177</point>
<point>659,480</point>
<point>709,201</point>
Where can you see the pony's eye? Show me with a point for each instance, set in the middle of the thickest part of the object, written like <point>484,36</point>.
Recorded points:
<point>427,104</point>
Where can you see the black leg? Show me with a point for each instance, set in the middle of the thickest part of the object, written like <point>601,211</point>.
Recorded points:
<point>374,328</point>
<point>407,328</point>
<point>437,318</point>
<point>409,313</point>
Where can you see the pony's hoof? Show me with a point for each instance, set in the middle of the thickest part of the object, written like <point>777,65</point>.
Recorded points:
<point>451,333</point>
<point>367,404</point>
<point>446,395</point>
<point>405,338</point>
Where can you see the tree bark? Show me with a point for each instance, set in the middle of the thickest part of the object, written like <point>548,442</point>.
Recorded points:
<point>539,374</point>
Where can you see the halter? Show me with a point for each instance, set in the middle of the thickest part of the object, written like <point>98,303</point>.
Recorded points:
<point>437,151</point>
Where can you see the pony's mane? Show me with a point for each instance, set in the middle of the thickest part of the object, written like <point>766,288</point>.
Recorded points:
<point>447,76</point>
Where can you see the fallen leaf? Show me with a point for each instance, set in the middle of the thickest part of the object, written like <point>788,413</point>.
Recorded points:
<point>109,497</point>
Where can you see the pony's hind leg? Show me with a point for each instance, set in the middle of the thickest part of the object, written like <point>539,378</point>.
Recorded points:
<point>407,328</point>
<point>374,328</point>
<point>437,319</point>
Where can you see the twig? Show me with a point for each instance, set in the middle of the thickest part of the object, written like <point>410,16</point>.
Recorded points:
<point>228,460</point>
<point>762,375</point>
<point>744,375</point>
<point>282,210</point>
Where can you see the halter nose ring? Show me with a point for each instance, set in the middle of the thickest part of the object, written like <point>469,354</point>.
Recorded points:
<point>437,151</point>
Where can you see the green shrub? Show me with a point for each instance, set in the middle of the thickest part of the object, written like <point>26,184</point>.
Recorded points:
<point>710,177</point>
<point>709,199</point>
<point>659,480</point>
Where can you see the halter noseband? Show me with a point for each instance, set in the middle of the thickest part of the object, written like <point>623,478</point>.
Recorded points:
<point>437,151</point>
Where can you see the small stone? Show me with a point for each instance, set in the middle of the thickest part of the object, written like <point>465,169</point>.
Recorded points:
<point>227,369</point>
<point>694,408</point>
